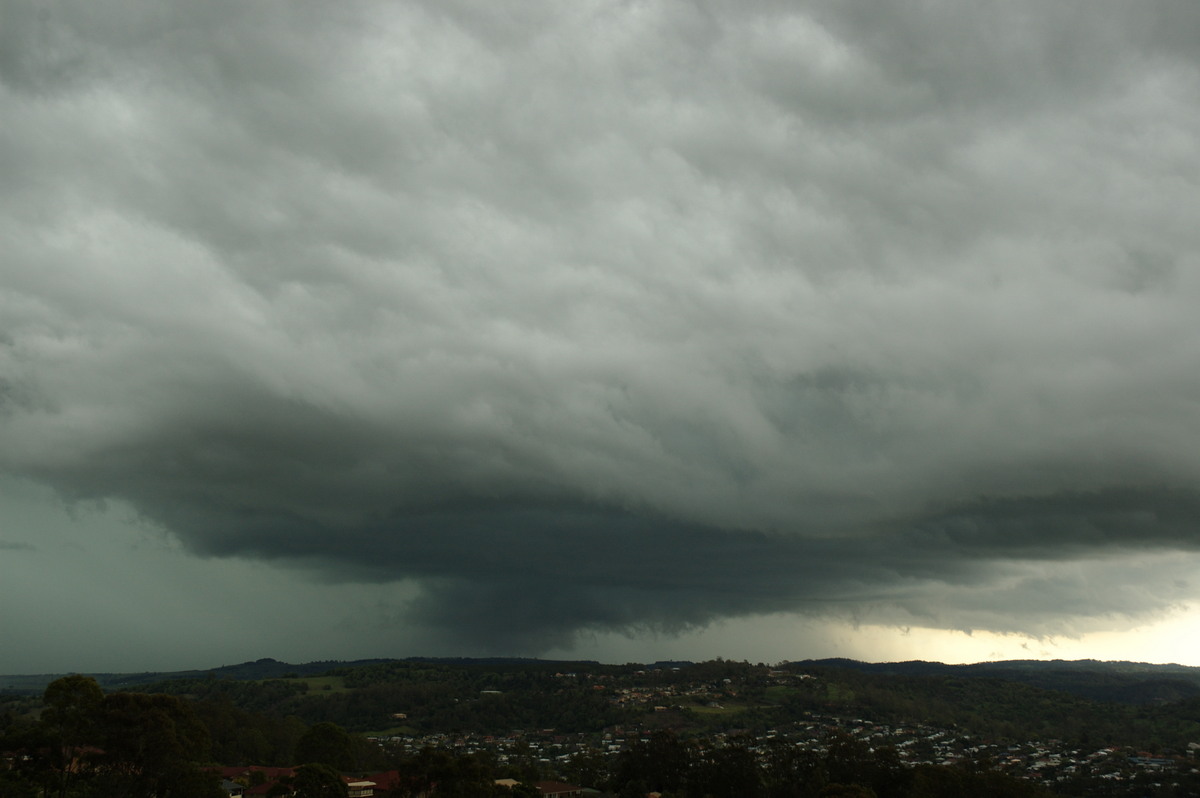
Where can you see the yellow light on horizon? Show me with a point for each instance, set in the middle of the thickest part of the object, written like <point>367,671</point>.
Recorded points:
<point>784,637</point>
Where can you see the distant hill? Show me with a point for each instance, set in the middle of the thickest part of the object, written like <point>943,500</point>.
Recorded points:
<point>1149,707</point>
<point>1118,682</point>
<point>1136,683</point>
<point>247,671</point>
<point>260,669</point>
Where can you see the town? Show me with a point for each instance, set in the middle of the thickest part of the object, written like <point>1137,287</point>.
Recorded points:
<point>416,728</point>
<point>1049,763</point>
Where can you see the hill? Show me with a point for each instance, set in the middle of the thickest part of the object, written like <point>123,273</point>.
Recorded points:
<point>1137,683</point>
<point>247,671</point>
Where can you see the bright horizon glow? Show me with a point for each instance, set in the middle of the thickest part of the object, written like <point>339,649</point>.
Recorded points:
<point>785,637</point>
<point>1155,643</point>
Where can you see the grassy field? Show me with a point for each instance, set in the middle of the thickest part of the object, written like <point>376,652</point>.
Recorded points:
<point>839,693</point>
<point>778,692</point>
<point>725,709</point>
<point>395,731</point>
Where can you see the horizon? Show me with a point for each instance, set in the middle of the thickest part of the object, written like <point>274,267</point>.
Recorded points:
<point>449,660</point>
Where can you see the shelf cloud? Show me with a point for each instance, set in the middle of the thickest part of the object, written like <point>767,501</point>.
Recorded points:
<point>619,315</point>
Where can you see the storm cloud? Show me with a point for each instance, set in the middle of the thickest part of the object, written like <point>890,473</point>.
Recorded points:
<point>619,315</point>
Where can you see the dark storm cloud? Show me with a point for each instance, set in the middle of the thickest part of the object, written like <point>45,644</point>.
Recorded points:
<point>618,315</point>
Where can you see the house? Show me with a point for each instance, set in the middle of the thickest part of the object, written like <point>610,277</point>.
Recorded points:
<point>359,788</point>
<point>389,782</point>
<point>260,780</point>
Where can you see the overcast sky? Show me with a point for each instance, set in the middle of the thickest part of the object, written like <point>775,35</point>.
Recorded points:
<point>614,329</point>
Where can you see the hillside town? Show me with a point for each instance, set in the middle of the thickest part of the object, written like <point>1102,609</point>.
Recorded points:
<point>1049,762</point>
<point>690,730</point>
<point>1046,762</point>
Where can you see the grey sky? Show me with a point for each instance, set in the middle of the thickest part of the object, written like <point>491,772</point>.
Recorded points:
<point>507,323</point>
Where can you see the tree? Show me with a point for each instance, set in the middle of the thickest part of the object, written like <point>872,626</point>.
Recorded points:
<point>588,768</point>
<point>846,791</point>
<point>328,744</point>
<point>69,720</point>
<point>662,762</point>
<point>450,776</point>
<point>849,761</point>
<point>14,785</point>
<point>633,789</point>
<point>151,744</point>
<point>519,790</point>
<point>316,780</point>
<point>729,772</point>
<point>788,771</point>
<point>72,705</point>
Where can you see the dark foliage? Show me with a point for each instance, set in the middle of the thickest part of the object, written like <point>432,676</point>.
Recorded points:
<point>86,743</point>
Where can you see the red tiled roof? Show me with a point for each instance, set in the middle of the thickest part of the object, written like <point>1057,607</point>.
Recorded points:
<point>387,780</point>
<point>271,775</point>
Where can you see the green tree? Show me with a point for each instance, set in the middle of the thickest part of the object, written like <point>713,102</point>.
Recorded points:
<point>587,768</point>
<point>327,744</point>
<point>836,790</point>
<point>72,705</point>
<point>790,772</point>
<point>662,762</point>
<point>935,781</point>
<point>849,761</point>
<point>151,746</point>
<point>519,790</point>
<point>454,776</point>
<point>16,784</point>
<point>70,720</point>
<point>729,772</point>
<point>316,780</point>
<point>633,789</point>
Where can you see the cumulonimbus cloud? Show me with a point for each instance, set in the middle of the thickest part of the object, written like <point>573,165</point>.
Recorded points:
<point>606,315</point>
